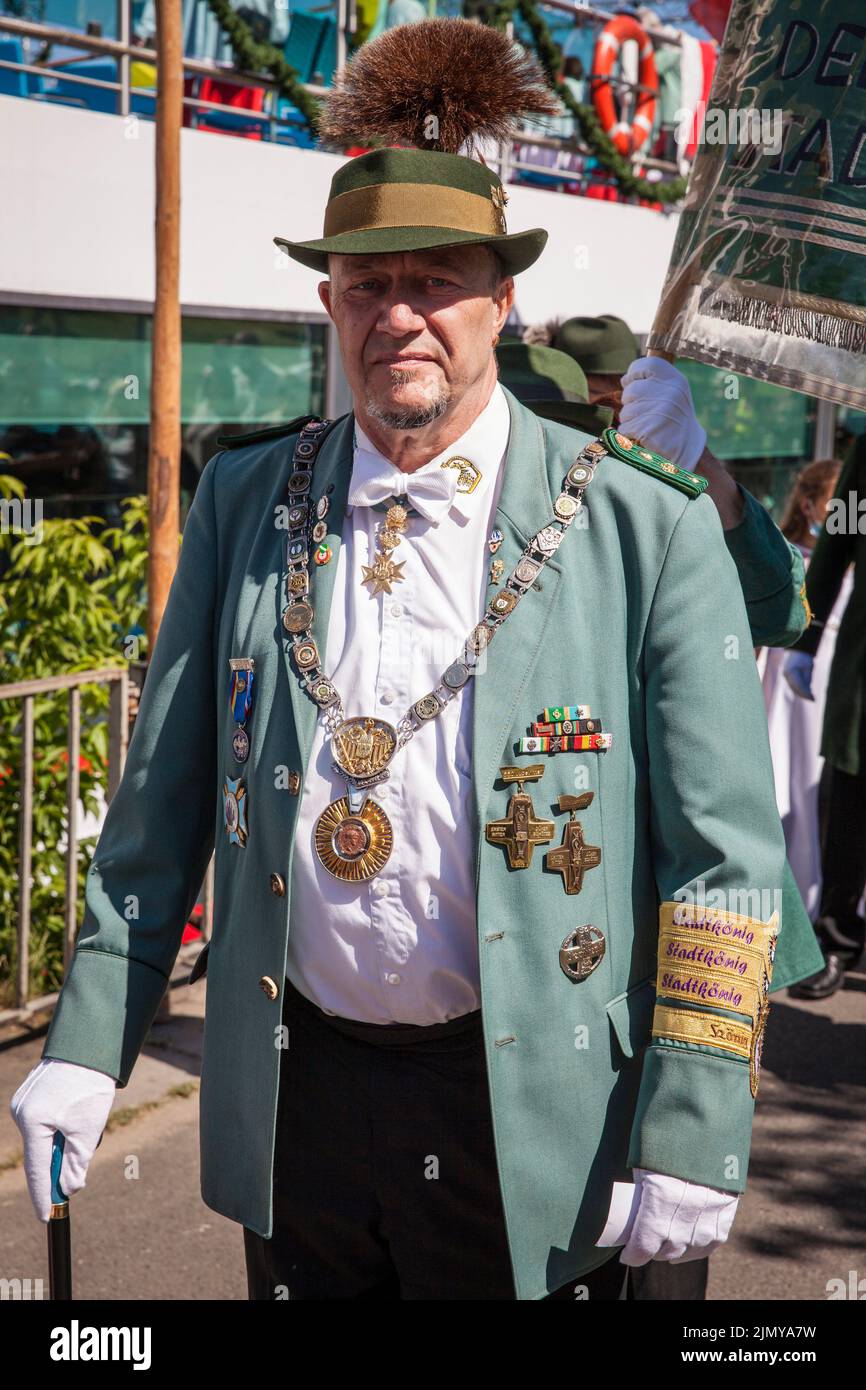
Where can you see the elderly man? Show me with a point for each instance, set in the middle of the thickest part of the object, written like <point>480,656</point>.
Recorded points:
<point>497,854</point>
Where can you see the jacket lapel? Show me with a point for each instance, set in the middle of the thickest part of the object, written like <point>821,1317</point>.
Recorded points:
<point>333,470</point>
<point>525,505</point>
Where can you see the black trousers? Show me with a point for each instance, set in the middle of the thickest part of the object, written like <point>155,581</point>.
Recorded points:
<point>385,1180</point>
<point>839,927</point>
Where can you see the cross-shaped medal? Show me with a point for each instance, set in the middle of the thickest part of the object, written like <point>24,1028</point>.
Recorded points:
<point>574,856</point>
<point>520,830</point>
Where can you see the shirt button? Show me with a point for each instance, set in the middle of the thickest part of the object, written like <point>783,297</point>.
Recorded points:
<point>387,697</point>
<point>396,610</point>
<point>393,979</point>
<point>380,888</point>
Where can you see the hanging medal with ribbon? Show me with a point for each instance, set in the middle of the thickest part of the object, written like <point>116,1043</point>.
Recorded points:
<point>240,701</point>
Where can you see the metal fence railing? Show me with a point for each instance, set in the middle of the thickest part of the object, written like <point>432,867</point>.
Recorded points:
<point>26,692</point>
<point>514,156</point>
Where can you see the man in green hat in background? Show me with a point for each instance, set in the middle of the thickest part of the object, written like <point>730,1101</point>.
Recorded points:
<point>552,384</point>
<point>570,820</point>
<point>652,401</point>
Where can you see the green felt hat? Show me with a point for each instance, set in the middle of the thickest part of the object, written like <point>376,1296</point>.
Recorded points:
<point>602,346</point>
<point>551,384</point>
<point>413,200</point>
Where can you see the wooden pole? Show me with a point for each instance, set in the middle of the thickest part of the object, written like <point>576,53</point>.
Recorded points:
<point>163,478</point>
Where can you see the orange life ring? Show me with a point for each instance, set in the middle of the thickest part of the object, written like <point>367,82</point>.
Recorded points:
<point>614,34</point>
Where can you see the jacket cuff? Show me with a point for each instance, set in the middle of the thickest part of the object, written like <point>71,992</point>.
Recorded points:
<point>693,1117</point>
<point>104,1012</point>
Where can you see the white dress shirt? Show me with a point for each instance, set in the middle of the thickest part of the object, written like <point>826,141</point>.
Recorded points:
<point>402,947</point>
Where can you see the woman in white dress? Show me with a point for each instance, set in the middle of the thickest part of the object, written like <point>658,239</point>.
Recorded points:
<point>795,723</point>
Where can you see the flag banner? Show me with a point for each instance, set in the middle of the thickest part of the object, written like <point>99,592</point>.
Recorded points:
<point>768,271</point>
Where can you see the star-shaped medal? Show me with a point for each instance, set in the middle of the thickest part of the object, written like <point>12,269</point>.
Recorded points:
<point>382,574</point>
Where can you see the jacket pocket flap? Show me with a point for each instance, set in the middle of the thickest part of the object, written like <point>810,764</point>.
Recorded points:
<point>631,1014</point>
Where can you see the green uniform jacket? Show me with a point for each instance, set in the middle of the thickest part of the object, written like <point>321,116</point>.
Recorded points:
<point>771,575</point>
<point>842,543</point>
<point>639,615</point>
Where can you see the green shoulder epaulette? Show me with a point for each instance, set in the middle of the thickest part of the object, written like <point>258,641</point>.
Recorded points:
<point>631,452</point>
<point>237,441</point>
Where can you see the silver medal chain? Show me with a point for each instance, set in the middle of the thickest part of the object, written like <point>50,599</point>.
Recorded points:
<point>538,550</point>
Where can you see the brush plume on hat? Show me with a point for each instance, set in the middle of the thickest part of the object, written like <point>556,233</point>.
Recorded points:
<point>473,81</point>
<point>436,90</point>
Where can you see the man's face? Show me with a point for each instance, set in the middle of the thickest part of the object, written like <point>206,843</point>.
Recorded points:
<point>416,328</point>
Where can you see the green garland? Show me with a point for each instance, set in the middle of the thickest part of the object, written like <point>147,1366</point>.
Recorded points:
<point>251,56</point>
<point>591,129</point>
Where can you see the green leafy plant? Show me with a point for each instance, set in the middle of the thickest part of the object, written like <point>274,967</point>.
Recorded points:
<point>253,56</point>
<point>72,599</point>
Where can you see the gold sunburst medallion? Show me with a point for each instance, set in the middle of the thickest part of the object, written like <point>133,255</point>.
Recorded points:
<point>353,847</point>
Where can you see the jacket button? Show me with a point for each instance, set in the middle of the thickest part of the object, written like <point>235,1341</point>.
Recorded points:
<point>278,885</point>
<point>294,783</point>
<point>269,986</point>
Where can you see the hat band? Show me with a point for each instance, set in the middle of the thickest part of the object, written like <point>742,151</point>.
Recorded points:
<point>412,205</point>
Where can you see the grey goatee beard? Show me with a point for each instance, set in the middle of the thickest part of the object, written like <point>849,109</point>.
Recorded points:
<point>407,417</point>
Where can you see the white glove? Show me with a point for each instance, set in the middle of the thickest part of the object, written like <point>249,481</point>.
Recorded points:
<point>676,1220</point>
<point>797,670</point>
<point>657,410</point>
<point>76,1100</point>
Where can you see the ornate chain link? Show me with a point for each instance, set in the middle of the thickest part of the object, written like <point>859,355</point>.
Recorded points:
<point>299,613</point>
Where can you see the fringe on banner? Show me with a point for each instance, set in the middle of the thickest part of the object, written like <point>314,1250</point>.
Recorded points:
<point>788,319</point>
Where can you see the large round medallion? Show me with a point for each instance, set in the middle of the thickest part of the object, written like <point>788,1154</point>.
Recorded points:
<point>353,847</point>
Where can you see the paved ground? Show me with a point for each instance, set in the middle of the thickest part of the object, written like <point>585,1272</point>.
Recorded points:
<point>141,1230</point>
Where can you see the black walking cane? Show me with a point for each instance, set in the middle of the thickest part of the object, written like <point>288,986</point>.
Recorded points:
<point>59,1239</point>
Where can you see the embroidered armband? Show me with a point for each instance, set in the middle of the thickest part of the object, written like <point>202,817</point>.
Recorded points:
<point>713,964</point>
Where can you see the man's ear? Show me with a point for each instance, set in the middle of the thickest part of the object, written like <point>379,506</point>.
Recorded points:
<point>504,301</point>
<point>324,289</point>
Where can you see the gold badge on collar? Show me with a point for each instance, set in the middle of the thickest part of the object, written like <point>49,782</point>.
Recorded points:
<point>469,472</point>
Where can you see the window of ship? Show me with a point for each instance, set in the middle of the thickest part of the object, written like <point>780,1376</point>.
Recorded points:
<point>75,397</point>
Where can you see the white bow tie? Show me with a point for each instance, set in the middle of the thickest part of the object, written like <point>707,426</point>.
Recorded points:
<point>374,479</point>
